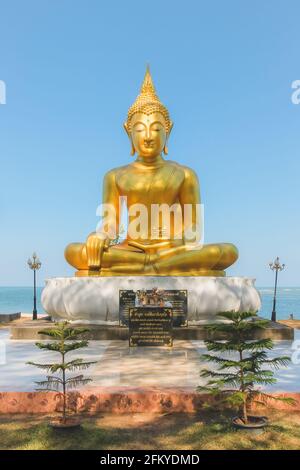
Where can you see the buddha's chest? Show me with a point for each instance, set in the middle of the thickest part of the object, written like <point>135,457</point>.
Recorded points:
<point>156,186</point>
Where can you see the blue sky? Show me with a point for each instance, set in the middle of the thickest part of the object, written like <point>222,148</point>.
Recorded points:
<point>224,69</point>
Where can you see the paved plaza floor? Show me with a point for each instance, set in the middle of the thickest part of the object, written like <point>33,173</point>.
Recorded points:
<point>117,365</point>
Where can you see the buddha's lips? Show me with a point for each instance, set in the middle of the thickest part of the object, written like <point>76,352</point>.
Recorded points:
<point>149,145</point>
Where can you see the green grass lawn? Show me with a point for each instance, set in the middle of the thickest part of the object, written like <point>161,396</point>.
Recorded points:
<point>205,430</point>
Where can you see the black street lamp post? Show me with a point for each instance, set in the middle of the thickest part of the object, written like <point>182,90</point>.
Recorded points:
<point>34,264</point>
<point>275,266</point>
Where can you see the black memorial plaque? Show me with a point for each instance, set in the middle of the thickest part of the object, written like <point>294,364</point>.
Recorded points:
<point>150,326</point>
<point>175,299</point>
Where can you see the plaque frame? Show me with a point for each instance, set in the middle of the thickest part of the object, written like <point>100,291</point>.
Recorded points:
<point>127,299</point>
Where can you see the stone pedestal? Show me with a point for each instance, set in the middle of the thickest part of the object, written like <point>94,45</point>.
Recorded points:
<point>96,299</point>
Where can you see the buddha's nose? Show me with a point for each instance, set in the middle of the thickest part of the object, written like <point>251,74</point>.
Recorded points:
<point>148,135</point>
<point>148,141</point>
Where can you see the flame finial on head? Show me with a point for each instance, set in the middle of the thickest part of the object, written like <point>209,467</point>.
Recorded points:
<point>147,88</point>
<point>148,102</point>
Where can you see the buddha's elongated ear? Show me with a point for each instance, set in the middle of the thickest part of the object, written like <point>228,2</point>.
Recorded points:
<point>165,149</point>
<point>125,125</point>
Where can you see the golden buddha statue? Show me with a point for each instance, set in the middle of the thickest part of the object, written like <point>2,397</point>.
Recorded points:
<point>152,181</point>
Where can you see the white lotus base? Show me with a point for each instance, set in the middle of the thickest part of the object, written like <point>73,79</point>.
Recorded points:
<point>96,299</point>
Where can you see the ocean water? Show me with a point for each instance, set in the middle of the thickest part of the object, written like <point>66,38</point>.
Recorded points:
<point>20,299</point>
<point>287,302</point>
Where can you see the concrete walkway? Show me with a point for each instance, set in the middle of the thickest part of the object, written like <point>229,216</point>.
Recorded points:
<point>120,366</point>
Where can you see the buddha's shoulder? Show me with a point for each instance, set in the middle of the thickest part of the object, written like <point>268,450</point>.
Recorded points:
<point>186,171</point>
<point>114,172</point>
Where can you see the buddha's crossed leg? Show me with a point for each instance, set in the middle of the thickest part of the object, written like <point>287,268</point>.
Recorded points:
<point>122,259</point>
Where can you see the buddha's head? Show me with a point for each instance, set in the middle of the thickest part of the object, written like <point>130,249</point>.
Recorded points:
<point>148,123</point>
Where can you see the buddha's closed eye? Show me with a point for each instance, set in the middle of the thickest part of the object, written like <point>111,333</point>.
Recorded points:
<point>139,128</point>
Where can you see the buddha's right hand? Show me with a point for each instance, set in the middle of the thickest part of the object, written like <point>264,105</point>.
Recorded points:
<point>96,243</point>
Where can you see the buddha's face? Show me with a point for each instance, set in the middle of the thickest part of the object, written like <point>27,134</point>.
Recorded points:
<point>148,134</point>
